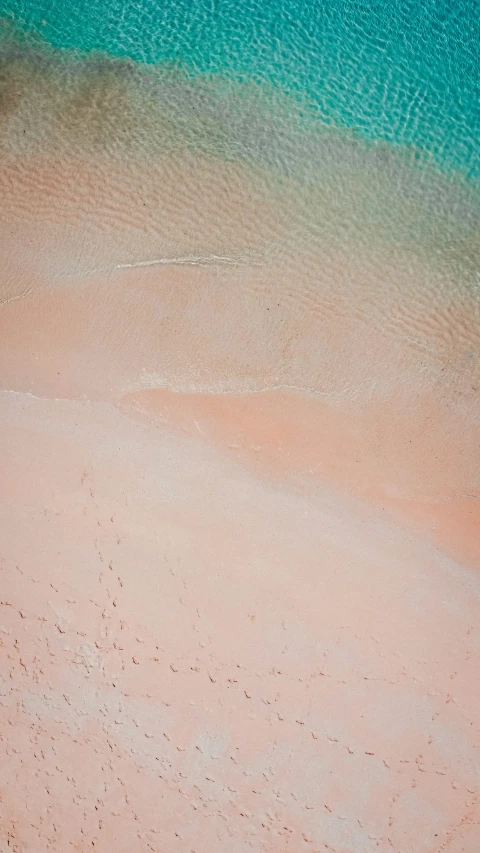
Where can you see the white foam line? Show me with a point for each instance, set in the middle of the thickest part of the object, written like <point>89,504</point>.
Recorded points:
<point>193,260</point>
<point>16,298</point>
<point>16,393</point>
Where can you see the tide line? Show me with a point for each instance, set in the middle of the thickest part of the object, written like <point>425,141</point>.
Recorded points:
<point>193,260</point>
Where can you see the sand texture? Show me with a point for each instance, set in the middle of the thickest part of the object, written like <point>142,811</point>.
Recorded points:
<point>240,513</point>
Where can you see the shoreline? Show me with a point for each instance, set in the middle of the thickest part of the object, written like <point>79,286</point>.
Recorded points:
<point>240,414</point>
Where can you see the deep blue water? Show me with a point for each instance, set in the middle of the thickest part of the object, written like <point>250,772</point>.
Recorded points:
<point>406,72</point>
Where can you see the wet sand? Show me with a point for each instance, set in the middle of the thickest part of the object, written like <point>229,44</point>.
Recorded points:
<point>239,584</point>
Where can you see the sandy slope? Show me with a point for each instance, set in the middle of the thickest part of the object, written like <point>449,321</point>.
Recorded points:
<point>239,590</point>
<point>196,660</point>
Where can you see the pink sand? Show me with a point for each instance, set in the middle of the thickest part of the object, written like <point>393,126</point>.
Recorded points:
<point>239,589</point>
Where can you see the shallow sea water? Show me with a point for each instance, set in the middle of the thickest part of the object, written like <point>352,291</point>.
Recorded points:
<point>192,161</point>
<point>401,72</point>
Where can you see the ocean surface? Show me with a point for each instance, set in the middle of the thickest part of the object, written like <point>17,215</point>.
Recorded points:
<point>403,72</point>
<point>324,153</point>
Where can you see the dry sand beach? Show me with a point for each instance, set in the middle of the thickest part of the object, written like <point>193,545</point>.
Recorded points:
<point>240,563</point>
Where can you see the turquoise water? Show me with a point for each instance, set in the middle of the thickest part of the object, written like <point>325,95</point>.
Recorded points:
<point>405,72</point>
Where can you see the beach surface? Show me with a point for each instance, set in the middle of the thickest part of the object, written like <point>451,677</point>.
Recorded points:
<point>240,563</point>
